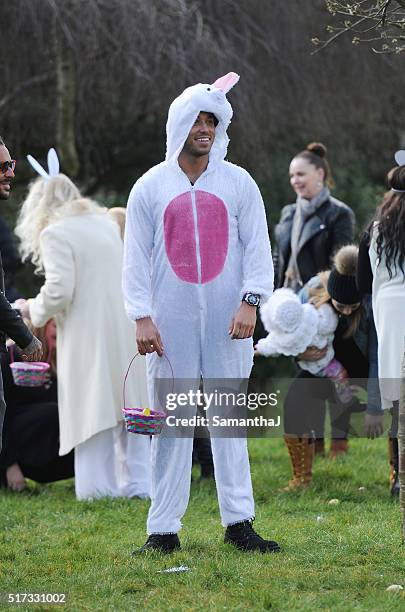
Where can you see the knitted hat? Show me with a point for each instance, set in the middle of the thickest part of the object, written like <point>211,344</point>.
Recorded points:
<point>282,311</point>
<point>342,279</point>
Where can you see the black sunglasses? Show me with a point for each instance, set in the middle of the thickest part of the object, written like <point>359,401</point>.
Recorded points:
<point>7,165</point>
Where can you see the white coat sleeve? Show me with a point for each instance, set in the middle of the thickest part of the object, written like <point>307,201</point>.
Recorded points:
<point>57,292</point>
<point>138,245</point>
<point>258,271</point>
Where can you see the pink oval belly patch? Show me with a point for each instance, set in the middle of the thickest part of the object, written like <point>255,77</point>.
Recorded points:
<point>180,236</point>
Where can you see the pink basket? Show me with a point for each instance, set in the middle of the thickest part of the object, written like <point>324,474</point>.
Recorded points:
<point>144,421</point>
<point>29,374</point>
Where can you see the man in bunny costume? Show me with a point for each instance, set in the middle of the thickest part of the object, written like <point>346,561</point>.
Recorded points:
<point>197,261</point>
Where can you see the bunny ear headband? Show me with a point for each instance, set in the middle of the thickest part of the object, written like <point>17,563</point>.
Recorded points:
<point>400,159</point>
<point>53,165</point>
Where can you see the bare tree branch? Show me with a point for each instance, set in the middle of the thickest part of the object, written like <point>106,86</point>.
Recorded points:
<point>28,83</point>
<point>387,19</point>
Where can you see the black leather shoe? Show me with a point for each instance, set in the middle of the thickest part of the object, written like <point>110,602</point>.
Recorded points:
<point>164,543</point>
<point>243,536</point>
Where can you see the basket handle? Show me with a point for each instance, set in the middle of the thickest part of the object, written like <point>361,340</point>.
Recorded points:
<point>129,367</point>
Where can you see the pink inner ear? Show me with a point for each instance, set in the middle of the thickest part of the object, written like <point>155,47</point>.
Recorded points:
<point>226,82</point>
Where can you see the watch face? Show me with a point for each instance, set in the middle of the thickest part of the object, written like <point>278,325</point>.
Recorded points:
<point>253,300</point>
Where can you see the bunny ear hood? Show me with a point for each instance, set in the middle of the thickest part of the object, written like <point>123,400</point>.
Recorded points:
<point>184,111</point>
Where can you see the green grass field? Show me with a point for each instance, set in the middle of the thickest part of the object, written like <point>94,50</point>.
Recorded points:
<point>334,557</point>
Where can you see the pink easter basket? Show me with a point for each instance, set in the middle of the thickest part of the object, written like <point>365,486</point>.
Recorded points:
<point>145,421</point>
<point>28,373</point>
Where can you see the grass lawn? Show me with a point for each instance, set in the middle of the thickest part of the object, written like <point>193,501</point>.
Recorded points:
<point>334,557</point>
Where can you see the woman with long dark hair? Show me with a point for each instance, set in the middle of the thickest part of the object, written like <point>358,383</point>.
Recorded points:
<point>387,258</point>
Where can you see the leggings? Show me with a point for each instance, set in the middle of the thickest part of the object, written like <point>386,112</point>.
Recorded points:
<point>304,408</point>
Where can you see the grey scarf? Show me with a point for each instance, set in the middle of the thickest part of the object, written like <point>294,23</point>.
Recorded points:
<point>304,210</point>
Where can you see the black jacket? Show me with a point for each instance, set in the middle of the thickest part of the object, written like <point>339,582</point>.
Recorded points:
<point>11,324</point>
<point>331,227</point>
<point>11,260</point>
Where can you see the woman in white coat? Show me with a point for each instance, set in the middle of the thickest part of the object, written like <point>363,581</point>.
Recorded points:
<point>387,257</point>
<point>78,248</point>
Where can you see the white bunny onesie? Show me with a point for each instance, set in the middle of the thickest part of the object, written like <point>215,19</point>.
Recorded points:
<point>191,252</point>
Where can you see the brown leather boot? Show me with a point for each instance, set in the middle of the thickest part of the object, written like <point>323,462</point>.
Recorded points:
<point>394,468</point>
<point>338,448</point>
<point>301,452</point>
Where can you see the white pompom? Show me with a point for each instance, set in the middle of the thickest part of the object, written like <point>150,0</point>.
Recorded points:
<point>282,311</point>
<point>288,315</point>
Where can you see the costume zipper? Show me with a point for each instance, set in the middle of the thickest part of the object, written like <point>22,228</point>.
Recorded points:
<point>196,235</point>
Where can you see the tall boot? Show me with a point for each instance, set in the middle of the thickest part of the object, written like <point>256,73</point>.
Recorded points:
<point>394,466</point>
<point>301,452</point>
<point>338,447</point>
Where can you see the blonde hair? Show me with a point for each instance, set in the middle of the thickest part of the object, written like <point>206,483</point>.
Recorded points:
<point>48,353</point>
<point>320,295</point>
<point>48,201</point>
<point>118,214</point>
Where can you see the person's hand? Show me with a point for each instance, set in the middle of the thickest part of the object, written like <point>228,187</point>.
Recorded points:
<point>23,307</point>
<point>15,478</point>
<point>148,338</point>
<point>373,425</point>
<point>34,351</point>
<point>312,353</point>
<point>243,323</point>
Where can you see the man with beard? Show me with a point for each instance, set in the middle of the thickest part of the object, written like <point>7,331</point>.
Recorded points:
<point>11,324</point>
<point>197,262</point>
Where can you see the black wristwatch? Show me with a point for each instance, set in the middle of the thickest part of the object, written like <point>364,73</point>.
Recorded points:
<point>253,299</point>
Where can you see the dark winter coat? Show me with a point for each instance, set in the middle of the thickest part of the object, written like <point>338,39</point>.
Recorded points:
<point>331,227</point>
<point>11,324</point>
<point>11,259</point>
